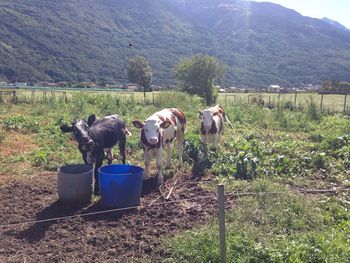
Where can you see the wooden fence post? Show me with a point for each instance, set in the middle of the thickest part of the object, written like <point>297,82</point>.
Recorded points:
<point>279,98</point>
<point>321,103</point>
<point>344,110</point>
<point>33,96</point>
<point>14,97</point>
<point>222,231</point>
<point>295,99</point>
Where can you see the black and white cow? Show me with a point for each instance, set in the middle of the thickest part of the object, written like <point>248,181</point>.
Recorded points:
<point>97,137</point>
<point>158,132</point>
<point>212,125</point>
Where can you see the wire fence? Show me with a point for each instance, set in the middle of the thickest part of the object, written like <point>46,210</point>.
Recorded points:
<point>146,206</point>
<point>298,100</point>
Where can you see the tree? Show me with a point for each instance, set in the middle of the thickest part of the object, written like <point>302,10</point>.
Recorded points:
<point>198,73</point>
<point>140,73</point>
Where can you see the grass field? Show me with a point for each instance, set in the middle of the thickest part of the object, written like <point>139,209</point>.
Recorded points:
<point>330,102</point>
<point>269,150</point>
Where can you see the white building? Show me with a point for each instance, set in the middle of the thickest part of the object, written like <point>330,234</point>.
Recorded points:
<point>274,88</point>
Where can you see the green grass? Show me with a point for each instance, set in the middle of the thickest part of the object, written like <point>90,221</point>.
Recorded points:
<point>332,103</point>
<point>270,228</point>
<point>268,150</point>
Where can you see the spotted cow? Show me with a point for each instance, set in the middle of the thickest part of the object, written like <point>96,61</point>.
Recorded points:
<point>158,132</point>
<point>212,125</point>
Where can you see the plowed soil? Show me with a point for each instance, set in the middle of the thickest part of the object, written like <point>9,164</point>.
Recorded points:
<point>124,236</point>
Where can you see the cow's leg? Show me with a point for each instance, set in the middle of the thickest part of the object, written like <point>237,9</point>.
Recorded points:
<point>147,159</point>
<point>169,148</point>
<point>215,140</point>
<point>159,165</point>
<point>220,136</point>
<point>203,147</point>
<point>122,149</point>
<point>203,138</point>
<point>109,152</point>
<point>180,146</point>
<point>98,164</point>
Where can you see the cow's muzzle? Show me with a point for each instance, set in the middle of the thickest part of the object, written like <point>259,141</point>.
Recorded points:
<point>153,140</point>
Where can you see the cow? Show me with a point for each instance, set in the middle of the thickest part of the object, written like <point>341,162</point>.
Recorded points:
<point>212,125</point>
<point>97,137</point>
<point>158,132</point>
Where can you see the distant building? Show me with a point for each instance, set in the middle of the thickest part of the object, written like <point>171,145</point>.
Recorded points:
<point>274,88</point>
<point>87,84</point>
<point>20,84</point>
<point>131,86</point>
<point>63,84</point>
<point>3,84</point>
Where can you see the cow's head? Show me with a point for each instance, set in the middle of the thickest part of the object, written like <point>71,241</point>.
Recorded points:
<point>207,118</point>
<point>151,129</point>
<point>81,133</point>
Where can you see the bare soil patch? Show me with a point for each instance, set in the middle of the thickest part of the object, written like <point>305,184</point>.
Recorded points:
<point>111,237</point>
<point>16,143</point>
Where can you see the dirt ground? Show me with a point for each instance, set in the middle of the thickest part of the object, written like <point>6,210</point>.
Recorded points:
<point>112,237</point>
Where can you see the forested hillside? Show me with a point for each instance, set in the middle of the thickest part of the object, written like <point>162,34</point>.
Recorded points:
<point>79,40</point>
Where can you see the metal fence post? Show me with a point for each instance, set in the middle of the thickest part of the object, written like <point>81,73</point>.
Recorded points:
<point>222,231</point>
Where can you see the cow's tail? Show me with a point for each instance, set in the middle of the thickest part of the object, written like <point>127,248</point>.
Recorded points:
<point>228,121</point>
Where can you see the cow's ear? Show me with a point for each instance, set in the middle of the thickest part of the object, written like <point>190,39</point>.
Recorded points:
<point>91,119</point>
<point>138,124</point>
<point>200,114</point>
<point>165,124</point>
<point>66,128</point>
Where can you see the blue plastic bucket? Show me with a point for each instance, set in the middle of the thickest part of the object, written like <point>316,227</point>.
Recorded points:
<point>120,185</point>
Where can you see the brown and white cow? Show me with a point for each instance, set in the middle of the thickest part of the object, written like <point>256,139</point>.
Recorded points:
<point>158,132</point>
<point>212,125</point>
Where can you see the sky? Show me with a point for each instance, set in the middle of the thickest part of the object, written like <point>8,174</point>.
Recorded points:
<point>338,10</point>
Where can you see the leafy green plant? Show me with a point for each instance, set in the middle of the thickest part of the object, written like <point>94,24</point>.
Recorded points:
<point>21,123</point>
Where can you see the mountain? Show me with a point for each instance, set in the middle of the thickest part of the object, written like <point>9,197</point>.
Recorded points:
<point>80,40</point>
<point>267,43</point>
<point>334,23</point>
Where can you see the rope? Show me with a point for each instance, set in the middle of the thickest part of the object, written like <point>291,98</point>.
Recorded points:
<point>237,194</point>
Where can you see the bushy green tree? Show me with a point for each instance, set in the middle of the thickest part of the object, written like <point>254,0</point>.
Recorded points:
<point>198,73</point>
<point>140,73</point>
